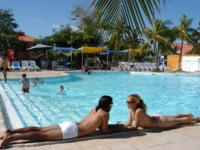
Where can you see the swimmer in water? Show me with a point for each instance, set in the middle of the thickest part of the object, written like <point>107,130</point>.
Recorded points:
<point>61,90</point>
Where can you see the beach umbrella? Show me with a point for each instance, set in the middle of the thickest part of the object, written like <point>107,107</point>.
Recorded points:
<point>40,47</point>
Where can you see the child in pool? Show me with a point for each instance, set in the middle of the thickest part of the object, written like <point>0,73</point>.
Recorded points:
<point>33,83</point>
<point>61,90</point>
<point>25,83</point>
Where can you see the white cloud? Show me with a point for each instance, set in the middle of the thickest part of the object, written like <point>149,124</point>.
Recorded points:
<point>56,26</point>
<point>74,28</point>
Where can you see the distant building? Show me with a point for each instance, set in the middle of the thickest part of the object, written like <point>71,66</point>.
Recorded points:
<point>186,47</point>
<point>21,54</point>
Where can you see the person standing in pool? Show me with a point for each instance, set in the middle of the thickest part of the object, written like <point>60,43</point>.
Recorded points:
<point>3,66</point>
<point>25,83</point>
<point>97,118</point>
<point>138,114</point>
<point>86,69</point>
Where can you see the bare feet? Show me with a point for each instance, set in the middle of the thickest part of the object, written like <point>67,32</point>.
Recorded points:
<point>190,114</point>
<point>2,134</point>
<point>198,119</point>
<point>5,140</point>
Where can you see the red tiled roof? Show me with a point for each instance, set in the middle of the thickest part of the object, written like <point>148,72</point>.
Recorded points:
<point>186,47</point>
<point>26,38</point>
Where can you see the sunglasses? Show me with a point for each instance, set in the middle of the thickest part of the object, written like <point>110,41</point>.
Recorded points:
<point>128,102</point>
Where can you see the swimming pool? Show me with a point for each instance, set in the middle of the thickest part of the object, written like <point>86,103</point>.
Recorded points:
<point>163,93</point>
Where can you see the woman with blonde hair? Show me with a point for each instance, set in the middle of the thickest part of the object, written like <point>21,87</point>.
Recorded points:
<point>138,114</point>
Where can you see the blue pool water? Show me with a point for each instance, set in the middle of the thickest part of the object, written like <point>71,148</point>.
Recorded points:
<point>165,94</point>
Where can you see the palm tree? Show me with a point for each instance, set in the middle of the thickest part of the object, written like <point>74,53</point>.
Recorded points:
<point>182,32</point>
<point>133,41</point>
<point>196,44</point>
<point>132,12</point>
<point>157,34</point>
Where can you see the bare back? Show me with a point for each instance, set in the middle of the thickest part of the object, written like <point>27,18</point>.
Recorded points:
<point>95,119</point>
<point>143,120</point>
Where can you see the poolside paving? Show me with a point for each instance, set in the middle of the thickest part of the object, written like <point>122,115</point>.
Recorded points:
<point>185,137</point>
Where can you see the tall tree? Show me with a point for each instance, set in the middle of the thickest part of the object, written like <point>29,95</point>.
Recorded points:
<point>86,24</point>
<point>159,33</point>
<point>196,41</point>
<point>7,22</point>
<point>8,38</point>
<point>183,33</point>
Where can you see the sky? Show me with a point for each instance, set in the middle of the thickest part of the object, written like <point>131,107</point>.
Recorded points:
<point>38,18</point>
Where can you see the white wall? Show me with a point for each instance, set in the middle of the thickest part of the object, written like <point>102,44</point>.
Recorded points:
<point>190,63</point>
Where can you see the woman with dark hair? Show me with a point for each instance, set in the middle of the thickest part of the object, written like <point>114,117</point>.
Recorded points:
<point>138,114</point>
<point>97,118</point>
<point>105,103</point>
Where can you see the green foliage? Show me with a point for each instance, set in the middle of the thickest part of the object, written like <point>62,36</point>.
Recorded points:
<point>157,34</point>
<point>7,22</point>
<point>131,12</point>
<point>85,35</point>
<point>182,32</point>
<point>195,35</point>
<point>179,70</point>
<point>156,70</point>
<point>8,39</point>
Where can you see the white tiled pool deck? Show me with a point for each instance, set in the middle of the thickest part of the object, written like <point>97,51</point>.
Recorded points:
<point>179,138</point>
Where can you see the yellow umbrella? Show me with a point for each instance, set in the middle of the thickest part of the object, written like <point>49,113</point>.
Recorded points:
<point>91,50</point>
<point>136,51</point>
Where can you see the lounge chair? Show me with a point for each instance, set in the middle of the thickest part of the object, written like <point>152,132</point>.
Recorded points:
<point>54,65</point>
<point>44,64</point>
<point>15,65</point>
<point>25,65</point>
<point>148,66</point>
<point>152,66</point>
<point>137,66</point>
<point>33,65</point>
<point>127,66</point>
<point>143,66</point>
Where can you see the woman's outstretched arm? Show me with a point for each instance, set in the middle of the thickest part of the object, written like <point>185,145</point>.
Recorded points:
<point>138,119</point>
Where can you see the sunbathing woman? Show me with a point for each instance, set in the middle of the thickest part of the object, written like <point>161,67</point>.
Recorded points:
<point>138,114</point>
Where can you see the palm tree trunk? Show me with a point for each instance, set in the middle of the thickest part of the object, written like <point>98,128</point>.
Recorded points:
<point>180,55</point>
<point>156,51</point>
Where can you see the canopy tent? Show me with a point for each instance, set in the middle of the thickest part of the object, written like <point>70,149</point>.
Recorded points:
<point>65,49</point>
<point>111,51</point>
<point>40,47</point>
<point>136,51</point>
<point>91,50</point>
